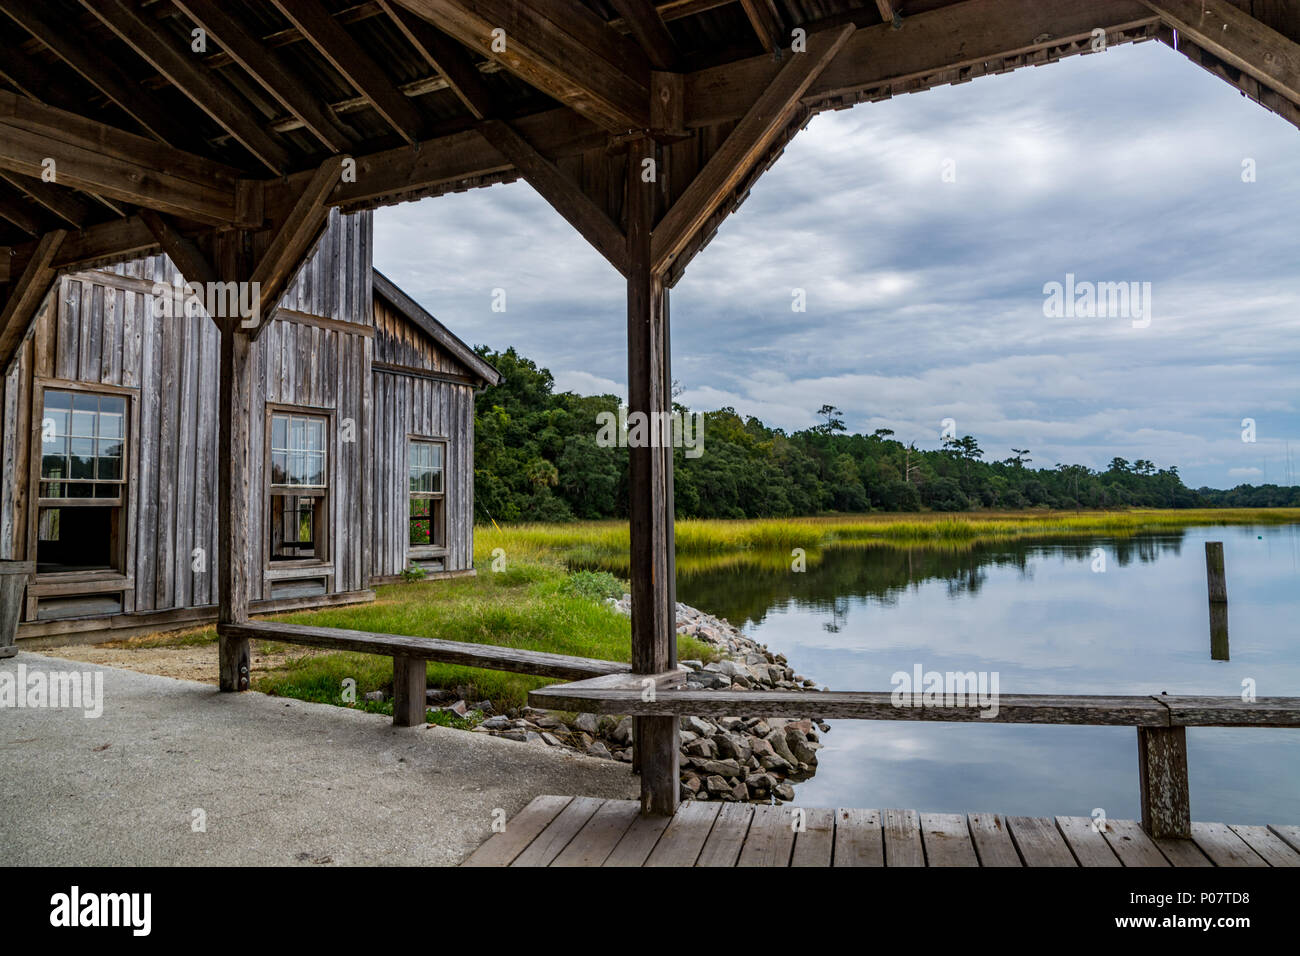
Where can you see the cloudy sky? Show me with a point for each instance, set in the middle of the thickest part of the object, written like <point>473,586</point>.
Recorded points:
<point>925,297</point>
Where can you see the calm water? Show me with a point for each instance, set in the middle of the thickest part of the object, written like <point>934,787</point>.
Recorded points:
<point>1039,616</point>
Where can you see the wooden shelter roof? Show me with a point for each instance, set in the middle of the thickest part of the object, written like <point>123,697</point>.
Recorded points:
<point>145,121</point>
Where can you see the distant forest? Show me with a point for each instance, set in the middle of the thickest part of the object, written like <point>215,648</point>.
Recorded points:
<point>536,459</point>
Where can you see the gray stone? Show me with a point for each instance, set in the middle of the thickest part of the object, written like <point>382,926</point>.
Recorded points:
<point>783,791</point>
<point>777,739</point>
<point>732,745</point>
<point>598,749</point>
<point>588,724</point>
<point>716,784</point>
<point>697,725</point>
<point>726,768</point>
<point>378,696</point>
<point>500,722</point>
<point>623,732</point>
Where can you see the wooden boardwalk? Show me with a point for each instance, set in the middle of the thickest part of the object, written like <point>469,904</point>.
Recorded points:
<point>588,831</point>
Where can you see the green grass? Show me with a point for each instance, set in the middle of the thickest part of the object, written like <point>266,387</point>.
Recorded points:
<point>530,605</point>
<point>710,543</point>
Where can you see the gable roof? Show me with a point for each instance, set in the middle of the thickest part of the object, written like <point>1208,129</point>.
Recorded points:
<point>431,327</point>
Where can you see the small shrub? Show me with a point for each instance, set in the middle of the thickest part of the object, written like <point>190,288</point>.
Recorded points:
<point>413,573</point>
<point>594,585</point>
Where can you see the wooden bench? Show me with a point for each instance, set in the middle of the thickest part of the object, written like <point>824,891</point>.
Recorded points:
<point>409,655</point>
<point>1161,721</point>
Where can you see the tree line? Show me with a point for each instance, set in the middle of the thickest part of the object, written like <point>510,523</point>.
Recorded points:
<point>536,458</point>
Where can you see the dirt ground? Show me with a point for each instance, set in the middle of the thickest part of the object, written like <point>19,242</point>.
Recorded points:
<point>186,661</point>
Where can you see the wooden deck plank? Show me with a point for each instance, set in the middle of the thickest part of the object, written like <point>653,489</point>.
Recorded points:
<point>1272,848</point>
<point>992,841</point>
<point>947,841</point>
<point>684,839</point>
<point>1289,834</point>
<point>727,837</point>
<point>771,838</point>
<point>638,842</point>
<point>1181,852</point>
<point>1223,847</point>
<point>1039,842</point>
<point>501,848</point>
<point>859,840</point>
<point>1132,845</point>
<point>598,837</point>
<point>902,838</point>
<point>548,844</point>
<point>815,844</point>
<point>1086,842</point>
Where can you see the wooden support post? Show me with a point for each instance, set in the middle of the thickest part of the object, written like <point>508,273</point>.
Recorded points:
<point>409,682</point>
<point>1214,574</point>
<point>650,507</point>
<point>232,495</point>
<point>1162,769</point>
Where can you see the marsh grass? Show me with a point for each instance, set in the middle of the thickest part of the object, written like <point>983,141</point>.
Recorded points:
<point>719,543</point>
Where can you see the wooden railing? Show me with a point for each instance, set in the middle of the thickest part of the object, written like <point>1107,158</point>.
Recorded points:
<point>1161,721</point>
<point>609,687</point>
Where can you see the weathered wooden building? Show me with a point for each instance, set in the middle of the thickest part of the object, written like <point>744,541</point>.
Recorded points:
<point>362,430</point>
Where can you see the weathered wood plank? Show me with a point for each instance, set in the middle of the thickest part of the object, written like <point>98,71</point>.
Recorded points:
<point>1039,843</point>
<point>992,841</point>
<point>521,829</point>
<point>727,837</point>
<point>1181,852</point>
<point>902,838</point>
<point>1232,711</point>
<point>638,842</point>
<point>596,840</point>
<point>409,683</point>
<point>559,832</point>
<point>771,838</point>
<point>814,845</point>
<point>1086,842</point>
<point>1289,834</point>
<point>1132,845</point>
<point>859,840</point>
<point>852,705</point>
<point>1223,846</point>
<point>686,835</point>
<point>947,840</point>
<point>511,659</point>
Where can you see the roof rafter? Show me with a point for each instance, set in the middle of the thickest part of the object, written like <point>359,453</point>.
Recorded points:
<point>559,47</point>
<point>13,209</point>
<point>206,90</point>
<point>766,22</point>
<point>1237,38</point>
<point>764,121</point>
<point>100,72</point>
<point>27,295</point>
<point>355,64</point>
<point>650,30</point>
<point>266,66</point>
<point>445,55</point>
<point>56,199</point>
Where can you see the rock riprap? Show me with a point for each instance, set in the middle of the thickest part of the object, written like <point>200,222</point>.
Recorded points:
<point>727,758</point>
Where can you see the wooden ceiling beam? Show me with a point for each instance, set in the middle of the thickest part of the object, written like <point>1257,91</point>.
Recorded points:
<point>561,192</point>
<point>888,9</point>
<point>765,120</point>
<point>766,23</point>
<point>209,92</point>
<point>559,47</point>
<point>15,210</point>
<point>97,70</point>
<point>449,58</point>
<point>968,34</point>
<point>650,30</point>
<point>56,199</point>
<point>26,296</point>
<point>1238,39</point>
<point>98,158</point>
<point>265,66</point>
<point>355,64</point>
<point>184,254</point>
<point>299,230</point>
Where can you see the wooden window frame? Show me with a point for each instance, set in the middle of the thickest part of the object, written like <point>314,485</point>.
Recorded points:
<point>117,577</point>
<point>422,551</point>
<point>281,569</point>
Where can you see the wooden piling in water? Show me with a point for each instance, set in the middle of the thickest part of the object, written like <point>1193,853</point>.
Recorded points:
<point>1214,574</point>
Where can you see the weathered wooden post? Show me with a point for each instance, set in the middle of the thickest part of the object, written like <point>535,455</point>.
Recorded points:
<point>13,582</point>
<point>650,506</point>
<point>1162,772</point>
<point>1214,575</point>
<point>232,495</point>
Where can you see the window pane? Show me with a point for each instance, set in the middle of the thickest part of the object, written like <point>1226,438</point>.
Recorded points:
<point>83,423</point>
<point>54,426</point>
<point>55,465</point>
<point>435,456</point>
<point>297,428</point>
<point>279,425</point>
<point>57,401</point>
<point>110,460</point>
<point>279,468</point>
<point>435,481</point>
<point>315,470</point>
<point>81,490</point>
<point>316,435</point>
<point>112,416</point>
<point>83,457</point>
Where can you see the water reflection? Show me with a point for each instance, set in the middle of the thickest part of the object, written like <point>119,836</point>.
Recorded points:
<point>1075,615</point>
